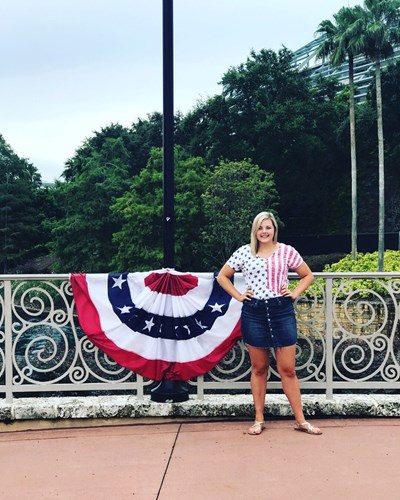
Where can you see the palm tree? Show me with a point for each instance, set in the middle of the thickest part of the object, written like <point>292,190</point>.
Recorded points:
<point>336,44</point>
<point>380,33</point>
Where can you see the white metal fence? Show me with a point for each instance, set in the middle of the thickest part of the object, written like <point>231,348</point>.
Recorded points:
<point>349,339</point>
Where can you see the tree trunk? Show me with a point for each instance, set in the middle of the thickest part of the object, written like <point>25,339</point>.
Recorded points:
<point>353,162</point>
<point>381,227</point>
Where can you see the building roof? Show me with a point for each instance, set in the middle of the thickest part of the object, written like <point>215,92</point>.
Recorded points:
<point>305,59</point>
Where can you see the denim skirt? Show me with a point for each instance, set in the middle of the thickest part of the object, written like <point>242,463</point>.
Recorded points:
<point>269,323</point>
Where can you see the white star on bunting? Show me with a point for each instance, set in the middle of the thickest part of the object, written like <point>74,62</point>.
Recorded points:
<point>118,282</point>
<point>149,325</point>
<point>125,309</point>
<point>216,307</point>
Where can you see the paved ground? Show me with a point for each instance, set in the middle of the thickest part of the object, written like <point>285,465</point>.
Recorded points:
<point>354,459</point>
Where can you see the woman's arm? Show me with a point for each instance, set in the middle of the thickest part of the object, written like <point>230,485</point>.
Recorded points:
<point>224,279</point>
<point>306,278</point>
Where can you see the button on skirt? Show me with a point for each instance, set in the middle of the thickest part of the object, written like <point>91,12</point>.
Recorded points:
<point>269,323</point>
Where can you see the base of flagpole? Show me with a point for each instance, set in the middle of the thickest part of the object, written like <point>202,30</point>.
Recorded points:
<point>170,391</point>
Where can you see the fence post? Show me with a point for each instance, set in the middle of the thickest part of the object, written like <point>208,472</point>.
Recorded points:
<point>200,387</point>
<point>139,387</point>
<point>8,341</point>
<point>329,337</point>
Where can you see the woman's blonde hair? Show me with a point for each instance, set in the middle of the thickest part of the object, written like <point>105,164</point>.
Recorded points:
<point>254,228</point>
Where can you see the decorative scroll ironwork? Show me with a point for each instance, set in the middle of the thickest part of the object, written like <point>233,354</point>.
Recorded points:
<point>2,334</point>
<point>361,323</point>
<point>234,367</point>
<point>48,347</point>
<point>365,330</point>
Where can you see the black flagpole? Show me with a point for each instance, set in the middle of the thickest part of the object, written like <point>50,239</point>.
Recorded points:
<point>168,134</point>
<point>168,390</point>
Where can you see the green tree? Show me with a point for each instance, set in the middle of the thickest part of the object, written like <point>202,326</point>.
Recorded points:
<point>391,118</point>
<point>368,155</point>
<point>139,241</point>
<point>137,142</point>
<point>101,143</point>
<point>337,45</point>
<point>20,215</point>
<point>379,34</point>
<point>236,192</point>
<point>82,235</point>
<point>208,131</point>
<point>270,112</point>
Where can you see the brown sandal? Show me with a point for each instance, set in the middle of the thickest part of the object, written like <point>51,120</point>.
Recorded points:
<point>256,428</point>
<point>308,428</point>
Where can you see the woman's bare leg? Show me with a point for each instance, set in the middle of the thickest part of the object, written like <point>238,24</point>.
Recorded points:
<point>259,371</point>
<point>286,363</point>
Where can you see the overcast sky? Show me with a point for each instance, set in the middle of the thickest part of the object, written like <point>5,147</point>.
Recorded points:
<point>70,67</point>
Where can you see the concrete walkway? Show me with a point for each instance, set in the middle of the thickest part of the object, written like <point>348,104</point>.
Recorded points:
<point>152,460</point>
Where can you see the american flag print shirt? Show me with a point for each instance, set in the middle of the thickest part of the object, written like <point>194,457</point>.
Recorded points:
<point>266,277</point>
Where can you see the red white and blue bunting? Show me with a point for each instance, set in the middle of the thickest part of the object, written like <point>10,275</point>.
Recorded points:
<point>161,324</point>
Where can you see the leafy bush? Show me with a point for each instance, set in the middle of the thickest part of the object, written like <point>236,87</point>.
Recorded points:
<point>365,263</point>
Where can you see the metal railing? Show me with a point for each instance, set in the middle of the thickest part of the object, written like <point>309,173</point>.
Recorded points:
<point>349,339</point>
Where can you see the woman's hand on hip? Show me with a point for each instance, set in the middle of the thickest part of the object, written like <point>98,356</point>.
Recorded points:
<point>246,295</point>
<point>288,293</point>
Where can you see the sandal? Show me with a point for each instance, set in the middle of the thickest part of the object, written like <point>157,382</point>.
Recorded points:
<point>308,428</point>
<point>256,428</point>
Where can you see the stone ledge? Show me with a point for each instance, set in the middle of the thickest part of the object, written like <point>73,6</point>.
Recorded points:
<point>222,406</point>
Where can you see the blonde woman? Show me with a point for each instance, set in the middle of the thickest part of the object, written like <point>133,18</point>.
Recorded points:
<point>267,319</point>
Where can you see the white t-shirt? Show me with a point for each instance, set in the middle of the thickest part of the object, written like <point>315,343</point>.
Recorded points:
<point>266,277</point>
